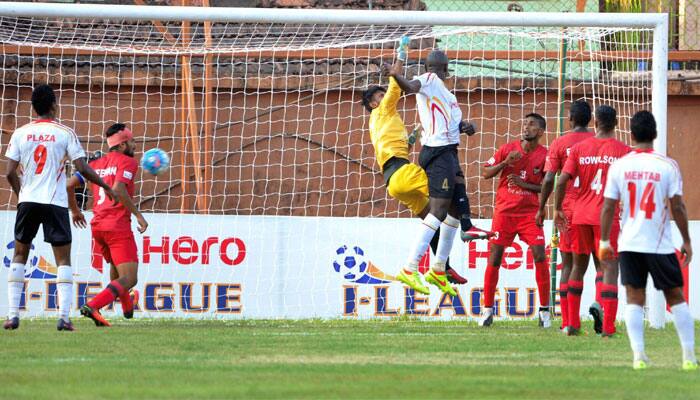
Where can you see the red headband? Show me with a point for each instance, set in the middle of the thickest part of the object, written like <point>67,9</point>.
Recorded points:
<point>119,137</point>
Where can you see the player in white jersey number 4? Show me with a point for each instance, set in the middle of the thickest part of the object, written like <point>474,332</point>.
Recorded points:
<point>441,119</point>
<point>645,181</point>
<point>39,149</point>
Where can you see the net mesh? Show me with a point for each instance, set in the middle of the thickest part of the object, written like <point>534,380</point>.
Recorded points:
<point>265,120</point>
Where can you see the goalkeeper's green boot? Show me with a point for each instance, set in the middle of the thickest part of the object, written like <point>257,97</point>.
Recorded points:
<point>439,279</point>
<point>412,280</point>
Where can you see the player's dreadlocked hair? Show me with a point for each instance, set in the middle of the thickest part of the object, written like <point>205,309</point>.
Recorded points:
<point>368,94</point>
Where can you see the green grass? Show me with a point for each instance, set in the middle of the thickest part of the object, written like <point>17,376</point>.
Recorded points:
<point>332,359</point>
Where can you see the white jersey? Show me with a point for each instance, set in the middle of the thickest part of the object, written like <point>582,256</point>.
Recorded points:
<point>41,148</point>
<point>438,111</point>
<point>644,181</point>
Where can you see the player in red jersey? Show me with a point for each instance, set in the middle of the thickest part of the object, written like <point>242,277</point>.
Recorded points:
<point>589,162</point>
<point>521,167</point>
<point>111,223</point>
<point>579,118</point>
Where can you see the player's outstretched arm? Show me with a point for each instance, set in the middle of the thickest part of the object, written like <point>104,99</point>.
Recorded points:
<point>88,173</point>
<point>545,192</point>
<point>12,177</point>
<point>76,215</point>
<point>409,87</point>
<point>680,215</point>
<point>125,199</point>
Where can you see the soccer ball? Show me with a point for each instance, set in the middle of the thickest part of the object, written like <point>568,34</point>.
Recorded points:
<point>155,161</point>
<point>350,262</point>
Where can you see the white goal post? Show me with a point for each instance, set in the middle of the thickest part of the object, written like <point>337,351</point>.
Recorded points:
<point>373,30</point>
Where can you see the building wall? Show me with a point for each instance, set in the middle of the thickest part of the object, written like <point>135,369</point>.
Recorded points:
<point>299,153</point>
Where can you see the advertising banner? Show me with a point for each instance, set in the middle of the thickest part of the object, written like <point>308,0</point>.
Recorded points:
<point>194,266</point>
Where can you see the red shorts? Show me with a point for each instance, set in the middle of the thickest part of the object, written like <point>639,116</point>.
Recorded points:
<point>567,236</point>
<point>587,238</point>
<point>116,247</point>
<point>506,227</point>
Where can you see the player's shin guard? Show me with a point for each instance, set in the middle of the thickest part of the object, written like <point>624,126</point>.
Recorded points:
<point>634,319</point>
<point>427,231</point>
<point>543,282</point>
<point>107,296</point>
<point>564,303</point>
<point>462,201</point>
<point>574,299</point>
<point>490,282</point>
<point>448,230</point>
<point>684,326</point>
<point>15,286</point>
<point>598,286</point>
<point>64,287</point>
<point>608,293</point>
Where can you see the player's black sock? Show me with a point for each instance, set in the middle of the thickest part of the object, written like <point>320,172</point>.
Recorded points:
<point>462,201</point>
<point>434,241</point>
<point>433,246</point>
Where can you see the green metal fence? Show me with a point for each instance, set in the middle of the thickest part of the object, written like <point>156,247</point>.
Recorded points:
<point>684,14</point>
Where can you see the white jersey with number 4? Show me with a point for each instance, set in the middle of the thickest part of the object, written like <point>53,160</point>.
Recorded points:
<point>644,181</point>
<point>41,148</point>
<point>438,111</point>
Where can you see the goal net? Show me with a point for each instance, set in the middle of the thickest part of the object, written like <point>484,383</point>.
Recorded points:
<point>274,205</point>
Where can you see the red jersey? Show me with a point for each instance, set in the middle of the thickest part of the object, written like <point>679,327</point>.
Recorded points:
<point>589,162</point>
<point>113,167</point>
<point>512,200</point>
<point>556,158</point>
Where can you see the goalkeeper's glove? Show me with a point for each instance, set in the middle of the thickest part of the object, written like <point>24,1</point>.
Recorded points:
<point>414,136</point>
<point>402,49</point>
<point>605,251</point>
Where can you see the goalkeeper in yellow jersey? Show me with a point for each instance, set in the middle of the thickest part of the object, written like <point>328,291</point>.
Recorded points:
<point>405,181</point>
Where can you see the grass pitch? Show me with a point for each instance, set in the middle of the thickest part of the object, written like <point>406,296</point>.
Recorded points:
<point>332,359</point>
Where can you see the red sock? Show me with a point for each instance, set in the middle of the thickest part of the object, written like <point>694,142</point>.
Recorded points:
<point>598,287</point>
<point>563,304</point>
<point>543,282</point>
<point>490,282</point>
<point>609,295</point>
<point>125,299</point>
<point>574,303</point>
<point>106,296</point>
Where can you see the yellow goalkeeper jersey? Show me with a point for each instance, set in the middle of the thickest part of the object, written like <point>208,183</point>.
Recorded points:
<point>386,129</point>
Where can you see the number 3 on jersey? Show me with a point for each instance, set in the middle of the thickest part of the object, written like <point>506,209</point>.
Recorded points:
<point>597,184</point>
<point>101,196</point>
<point>647,202</point>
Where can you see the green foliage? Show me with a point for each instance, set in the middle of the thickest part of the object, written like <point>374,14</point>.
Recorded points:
<point>398,358</point>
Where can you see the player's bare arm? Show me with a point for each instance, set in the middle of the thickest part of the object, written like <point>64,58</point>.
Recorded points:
<point>88,173</point>
<point>545,192</point>
<point>12,176</point>
<point>607,214</point>
<point>559,191</point>
<point>123,195</point>
<point>680,215</point>
<point>516,180</point>
<point>75,212</point>
<point>408,87</point>
<point>488,172</point>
